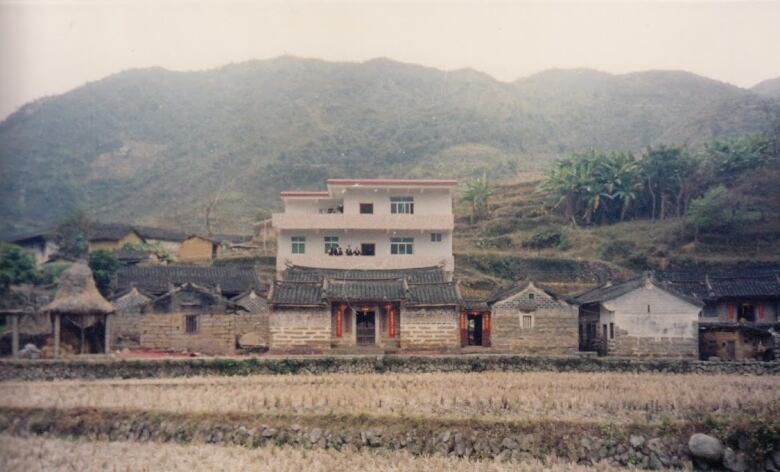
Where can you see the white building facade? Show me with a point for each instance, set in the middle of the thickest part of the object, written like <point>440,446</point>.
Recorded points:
<point>392,224</point>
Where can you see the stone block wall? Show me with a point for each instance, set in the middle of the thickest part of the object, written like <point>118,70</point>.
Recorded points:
<point>554,331</point>
<point>257,323</point>
<point>658,347</point>
<point>554,324</point>
<point>300,329</point>
<point>126,330</point>
<point>216,334</point>
<point>429,328</point>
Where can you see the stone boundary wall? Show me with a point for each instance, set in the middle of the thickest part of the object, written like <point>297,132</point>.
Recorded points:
<point>11,369</point>
<point>215,333</point>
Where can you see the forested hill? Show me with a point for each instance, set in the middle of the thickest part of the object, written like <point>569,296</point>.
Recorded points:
<point>155,146</point>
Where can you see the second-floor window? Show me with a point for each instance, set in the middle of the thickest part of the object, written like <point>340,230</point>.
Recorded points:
<point>435,237</point>
<point>401,245</point>
<point>298,244</point>
<point>366,208</point>
<point>331,242</point>
<point>402,205</point>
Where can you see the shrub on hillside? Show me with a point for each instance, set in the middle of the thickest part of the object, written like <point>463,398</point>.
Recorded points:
<point>615,249</point>
<point>545,239</point>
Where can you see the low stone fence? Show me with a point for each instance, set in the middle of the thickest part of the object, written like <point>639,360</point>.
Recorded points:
<point>104,368</point>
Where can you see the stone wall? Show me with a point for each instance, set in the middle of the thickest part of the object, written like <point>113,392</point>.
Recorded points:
<point>300,329</point>
<point>625,345</point>
<point>429,328</point>
<point>106,368</point>
<point>553,322</point>
<point>215,334</point>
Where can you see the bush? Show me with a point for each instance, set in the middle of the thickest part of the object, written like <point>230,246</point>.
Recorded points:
<point>615,249</point>
<point>104,265</point>
<point>548,238</point>
<point>17,266</point>
<point>52,271</point>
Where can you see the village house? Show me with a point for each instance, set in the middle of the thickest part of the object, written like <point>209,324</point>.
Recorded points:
<point>198,249</point>
<point>168,239</point>
<point>530,320</point>
<point>639,318</point>
<point>367,224</point>
<point>40,244</point>
<point>112,237</point>
<point>211,310</point>
<point>740,316</point>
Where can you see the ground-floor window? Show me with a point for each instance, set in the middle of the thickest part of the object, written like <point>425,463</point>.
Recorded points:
<point>191,324</point>
<point>612,331</point>
<point>401,246</point>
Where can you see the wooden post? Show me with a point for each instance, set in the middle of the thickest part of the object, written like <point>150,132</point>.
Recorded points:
<point>81,348</point>
<point>107,325</point>
<point>56,335</point>
<point>15,335</point>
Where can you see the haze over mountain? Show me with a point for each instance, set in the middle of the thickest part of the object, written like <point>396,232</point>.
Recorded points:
<point>768,88</point>
<point>155,146</point>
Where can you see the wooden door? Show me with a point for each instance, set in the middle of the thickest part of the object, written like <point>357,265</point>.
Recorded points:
<point>366,328</point>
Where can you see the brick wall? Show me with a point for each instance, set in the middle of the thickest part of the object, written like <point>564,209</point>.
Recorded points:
<point>293,329</point>
<point>553,324</point>
<point>216,334</point>
<point>429,328</point>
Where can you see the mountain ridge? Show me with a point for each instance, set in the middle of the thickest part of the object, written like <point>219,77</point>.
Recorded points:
<point>150,145</point>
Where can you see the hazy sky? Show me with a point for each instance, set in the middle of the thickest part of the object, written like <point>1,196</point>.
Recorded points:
<point>49,47</point>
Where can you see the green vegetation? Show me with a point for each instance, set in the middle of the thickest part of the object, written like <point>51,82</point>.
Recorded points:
<point>104,266</point>
<point>154,146</point>
<point>17,266</point>
<point>72,235</point>
<point>156,249</point>
<point>477,195</point>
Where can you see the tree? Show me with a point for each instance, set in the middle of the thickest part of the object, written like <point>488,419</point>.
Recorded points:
<point>72,235</point>
<point>16,265</point>
<point>478,194</point>
<point>712,210</point>
<point>104,265</point>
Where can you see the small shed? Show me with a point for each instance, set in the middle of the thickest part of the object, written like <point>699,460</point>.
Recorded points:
<point>79,300</point>
<point>198,248</point>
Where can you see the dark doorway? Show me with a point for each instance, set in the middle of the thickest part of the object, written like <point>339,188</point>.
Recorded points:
<point>475,330</point>
<point>731,350</point>
<point>367,249</point>
<point>366,328</point>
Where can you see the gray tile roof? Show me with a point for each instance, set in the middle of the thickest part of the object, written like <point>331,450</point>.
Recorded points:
<point>414,276</point>
<point>297,294</point>
<point>421,287</point>
<point>605,293</point>
<point>711,285</point>
<point>109,231</point>
<point>158,279</point>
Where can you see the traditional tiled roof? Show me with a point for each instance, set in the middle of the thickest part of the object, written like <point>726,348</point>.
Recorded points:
<point>366,290</point>
<point>297,294</point>
<point>159,279</point>
<point>251,301</point>
<point>132,257</point>
<point>414,276</point>
<point>610,292</point>
<point>433,294</point>
<point>309,286</point>
<point>710,285</point>
<point>162,234</point>
<point>109,231</point>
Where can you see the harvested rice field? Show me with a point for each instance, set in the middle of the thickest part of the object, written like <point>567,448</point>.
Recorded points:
<point>35,454</point>
<point>575,397</point>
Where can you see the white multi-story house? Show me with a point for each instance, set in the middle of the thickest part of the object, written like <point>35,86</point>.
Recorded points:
<point>393,224</point>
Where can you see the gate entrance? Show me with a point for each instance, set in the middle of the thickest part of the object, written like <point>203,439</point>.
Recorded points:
<point>366,328</point>
<point>475,330</point>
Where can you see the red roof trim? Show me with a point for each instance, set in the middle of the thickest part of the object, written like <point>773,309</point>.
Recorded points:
<point>394,182</point>
<point>304,194</point>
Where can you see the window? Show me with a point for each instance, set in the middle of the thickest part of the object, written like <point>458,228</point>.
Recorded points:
<point>401,205</point>
<point>648,308</point>
<point>191,324</point>
<point>531,296</point>
<point>401,245</point>
<point>612,331</point>
<point>604,330</point>
<point>435,237</point>
<point>367,249</point>
<point>366,208</point>
<point>527,321</point>
<point>331,242</point>
<point>298,244</point>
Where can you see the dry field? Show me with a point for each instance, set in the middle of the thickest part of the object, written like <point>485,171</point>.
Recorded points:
<point>580,397</point>
<point>44,454</point>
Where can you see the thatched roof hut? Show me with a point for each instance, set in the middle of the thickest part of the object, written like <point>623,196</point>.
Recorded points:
<point>78,298</point>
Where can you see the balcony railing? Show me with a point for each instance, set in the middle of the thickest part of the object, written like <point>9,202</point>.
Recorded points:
<point>337,221</point>
<point>324,261</point>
